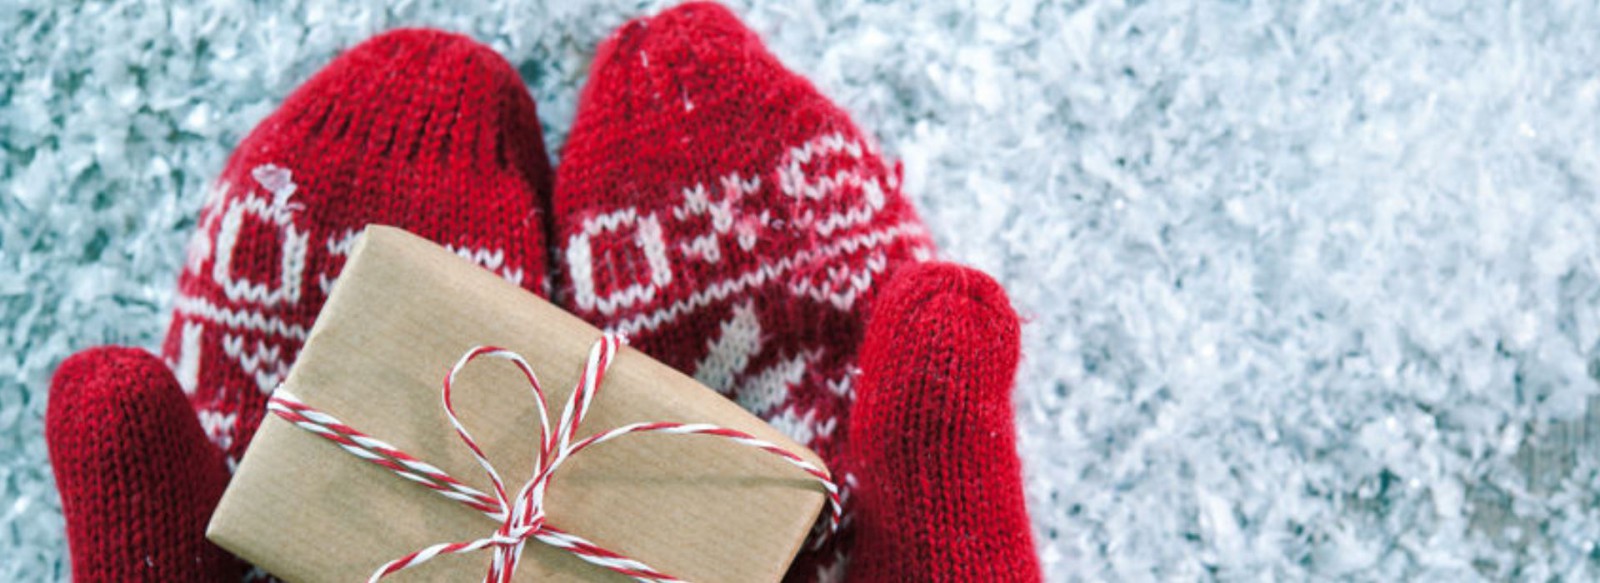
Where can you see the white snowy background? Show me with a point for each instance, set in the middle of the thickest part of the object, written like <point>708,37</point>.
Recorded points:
<point>1313,288</point>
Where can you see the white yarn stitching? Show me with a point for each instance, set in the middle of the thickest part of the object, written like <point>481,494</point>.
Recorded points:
<point>200,308</point>
<point>730,352</point>
<point>764,274</point>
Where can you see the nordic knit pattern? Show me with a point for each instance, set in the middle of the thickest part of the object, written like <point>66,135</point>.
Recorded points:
<point>939,487</point>
<point>732,221</point>
<point>424,130</point>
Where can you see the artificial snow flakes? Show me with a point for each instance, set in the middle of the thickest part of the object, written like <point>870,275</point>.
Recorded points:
<point>1312,290</point>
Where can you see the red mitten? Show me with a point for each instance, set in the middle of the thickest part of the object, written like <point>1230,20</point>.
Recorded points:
<point>939,491</point>
<point>736,225</point>
<point>424,130</point>
<point>138,479</point>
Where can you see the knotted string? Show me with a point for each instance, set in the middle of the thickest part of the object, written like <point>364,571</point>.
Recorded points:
<point>522,516</point>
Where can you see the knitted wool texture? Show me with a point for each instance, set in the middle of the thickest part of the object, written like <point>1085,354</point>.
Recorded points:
<point>732,222</point>
<point>138,479</point>
<point>940,486</point>
<point>424,130</point>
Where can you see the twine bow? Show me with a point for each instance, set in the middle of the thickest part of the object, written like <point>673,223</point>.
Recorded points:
<point>522,516</point>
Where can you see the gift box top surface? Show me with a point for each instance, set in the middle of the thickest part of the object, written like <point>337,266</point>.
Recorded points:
<point>402,313</point>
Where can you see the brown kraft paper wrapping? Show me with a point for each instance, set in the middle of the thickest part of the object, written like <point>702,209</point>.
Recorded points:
<point>404,310</point>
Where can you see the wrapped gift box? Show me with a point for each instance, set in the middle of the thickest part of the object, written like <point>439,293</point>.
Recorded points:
<point>403,312</point>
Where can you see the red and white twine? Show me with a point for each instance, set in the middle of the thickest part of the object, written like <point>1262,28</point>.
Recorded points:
<point>522,516</point>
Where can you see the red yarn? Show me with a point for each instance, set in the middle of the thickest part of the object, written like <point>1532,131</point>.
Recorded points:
<point>736,224</point>
<point>424,130</point>
<point>138,479</point>
<point>940,485</point>
<point>712,205</point>
<point>729,219</point>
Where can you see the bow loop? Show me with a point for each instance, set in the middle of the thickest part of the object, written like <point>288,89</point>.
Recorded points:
<point>522,516</point>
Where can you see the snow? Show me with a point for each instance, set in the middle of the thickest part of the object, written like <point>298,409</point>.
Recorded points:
<point>1313,288</point>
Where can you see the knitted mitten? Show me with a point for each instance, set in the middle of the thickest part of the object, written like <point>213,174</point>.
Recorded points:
<point>939,496</point>
<point>735,224</point>
<point>424,130</point>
